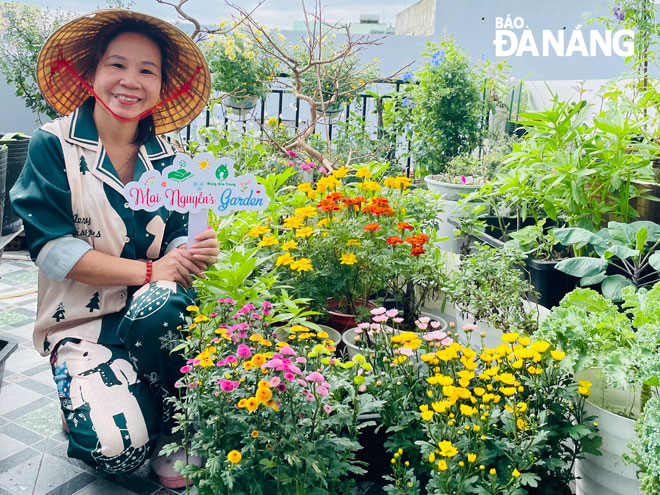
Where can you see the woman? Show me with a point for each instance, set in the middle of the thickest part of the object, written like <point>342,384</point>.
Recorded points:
<point>114,283</point>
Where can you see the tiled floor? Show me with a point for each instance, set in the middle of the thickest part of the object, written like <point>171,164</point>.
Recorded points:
<point>33,446</point>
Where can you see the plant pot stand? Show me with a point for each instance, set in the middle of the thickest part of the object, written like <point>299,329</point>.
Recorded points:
<point>6,348</point>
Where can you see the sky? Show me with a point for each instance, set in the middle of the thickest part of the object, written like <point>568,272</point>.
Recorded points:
<point>272,13</point>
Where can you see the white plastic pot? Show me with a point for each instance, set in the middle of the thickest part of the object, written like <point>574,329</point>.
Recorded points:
<point>451,194</point>
<point>608,474</point>
<point>348,337</point>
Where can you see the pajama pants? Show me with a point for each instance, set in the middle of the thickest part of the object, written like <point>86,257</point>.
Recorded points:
<point>113,393</point>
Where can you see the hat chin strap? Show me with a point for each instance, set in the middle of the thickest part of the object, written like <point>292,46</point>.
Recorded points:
<point>62,64</point>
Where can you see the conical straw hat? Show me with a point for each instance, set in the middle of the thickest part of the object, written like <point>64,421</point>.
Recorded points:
<point>188,81</point>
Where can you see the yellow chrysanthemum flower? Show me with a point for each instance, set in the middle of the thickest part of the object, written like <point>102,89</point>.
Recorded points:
<point>293,222</point>
<point>340,173</point>
<point>348,259</point>
<point>304,232</point>
<point>258,230</point>
<point>558,355</point>
<point>370,186</point>
<point>305,211</point>
<point>447,449</point>
<point>289,245</point>
<point>301,265</point>
<point>363,173</point>
<point>353,242</point>
<point>268,240</point>
<point>284,259</point>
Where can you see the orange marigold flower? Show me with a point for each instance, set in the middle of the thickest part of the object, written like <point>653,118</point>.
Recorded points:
<point>371,227</point>
<point>335,196</point>
<point>404,226</point>
<point>380,201</point>
<point>417,250</point>
<point>394,240</point>
<point>354,202</point>
<point>328,205</point>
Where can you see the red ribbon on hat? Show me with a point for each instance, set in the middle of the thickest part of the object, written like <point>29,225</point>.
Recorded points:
<point>61,63</point>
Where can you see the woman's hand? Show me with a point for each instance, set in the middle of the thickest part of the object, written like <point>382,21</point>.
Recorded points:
<point>206,248</point>
<point>177,266</point>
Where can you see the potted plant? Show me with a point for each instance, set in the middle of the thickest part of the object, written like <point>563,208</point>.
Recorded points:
<point>626,254</point>
<point>268,418</point>
<point>488,420</point>
<point>337,82</point>
<point>239,69</point>
<point>491,294</point>
<point>350,236</point>
<point>619,349</point>
<point>17,150</point>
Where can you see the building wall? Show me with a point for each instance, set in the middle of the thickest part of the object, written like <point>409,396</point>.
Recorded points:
<point>418,19</point>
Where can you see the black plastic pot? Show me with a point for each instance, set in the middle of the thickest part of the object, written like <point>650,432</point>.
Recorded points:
<point>552,285</point>
<point>6,348</point>
<point>17,154</point>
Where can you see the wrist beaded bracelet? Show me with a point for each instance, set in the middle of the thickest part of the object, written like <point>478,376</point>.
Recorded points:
<point>147,279</point>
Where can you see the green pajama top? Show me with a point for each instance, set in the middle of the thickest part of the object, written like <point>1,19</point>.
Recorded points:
<point>70,199</point>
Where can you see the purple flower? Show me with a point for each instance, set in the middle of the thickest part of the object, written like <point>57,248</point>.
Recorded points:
<point>281,387</point>
<point>618,13</point>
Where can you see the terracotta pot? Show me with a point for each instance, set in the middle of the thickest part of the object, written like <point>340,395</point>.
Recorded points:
<point>342,321</point>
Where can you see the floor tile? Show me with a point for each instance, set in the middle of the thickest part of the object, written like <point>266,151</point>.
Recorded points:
<point>9,446</point>
<point>21,434</point>
<point>45,420</point>
<point>53,473</point>
<point>25,359</point>
<point>14,396</point>
<point>104,487</point>
<point>74,485</point>
<point>39,387</point>
<point>17,459</point>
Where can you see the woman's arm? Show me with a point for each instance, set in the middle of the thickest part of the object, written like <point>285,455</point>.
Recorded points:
<point>98,268</point>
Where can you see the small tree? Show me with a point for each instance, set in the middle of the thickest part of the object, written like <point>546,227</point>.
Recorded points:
<point>320,72</point>
<point>26,32</point>
<point>446,107</point>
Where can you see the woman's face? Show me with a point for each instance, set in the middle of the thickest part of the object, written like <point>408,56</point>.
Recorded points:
<point>128,77</point>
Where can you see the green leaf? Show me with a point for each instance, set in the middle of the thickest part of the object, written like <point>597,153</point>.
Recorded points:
<point>654,260</point>
<point>576,235</point>
<point>613,285</point>
<point>529,479</point>
<point>596,279</point>
<point>622,252</point>
<point>550,209</point>
<point>582,266</point>
<point>641,237</point>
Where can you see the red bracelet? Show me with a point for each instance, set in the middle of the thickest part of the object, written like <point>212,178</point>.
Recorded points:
<point>147,279</point>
